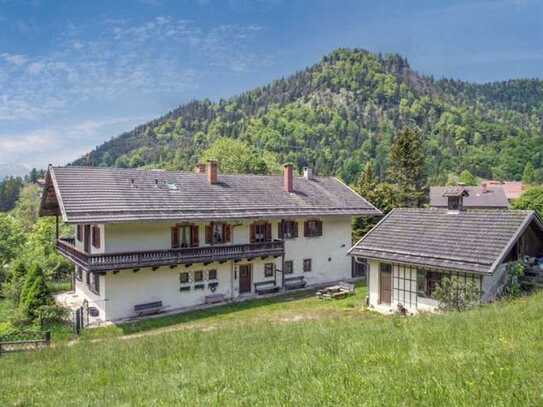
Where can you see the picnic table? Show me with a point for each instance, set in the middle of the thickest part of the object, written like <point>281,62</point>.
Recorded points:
<point>337,291</point>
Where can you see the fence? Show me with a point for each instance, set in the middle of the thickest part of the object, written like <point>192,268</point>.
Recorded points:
<point>24,341</point>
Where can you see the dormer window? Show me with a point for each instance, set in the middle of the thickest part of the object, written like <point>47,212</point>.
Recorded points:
<point>455,198</point>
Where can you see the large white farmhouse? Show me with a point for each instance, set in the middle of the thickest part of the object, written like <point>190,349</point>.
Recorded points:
<point>151,240</point>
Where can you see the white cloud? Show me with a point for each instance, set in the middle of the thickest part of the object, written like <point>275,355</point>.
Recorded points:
<point>162,55</point>
<point>59,144</point>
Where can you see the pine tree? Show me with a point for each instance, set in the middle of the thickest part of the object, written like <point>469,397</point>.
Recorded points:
<point>35,292</point>
<point>406,167</point>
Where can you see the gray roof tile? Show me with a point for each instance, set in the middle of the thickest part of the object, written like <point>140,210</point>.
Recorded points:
<point>470,240</point>
<point>101,195</point>
<point>491,197</point>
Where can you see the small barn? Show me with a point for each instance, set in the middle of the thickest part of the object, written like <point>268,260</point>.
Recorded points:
<point>410,250</point>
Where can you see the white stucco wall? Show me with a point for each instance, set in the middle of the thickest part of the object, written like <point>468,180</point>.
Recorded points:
<point>95,300</point>
<point>404,289</point>
<point>124,289</point>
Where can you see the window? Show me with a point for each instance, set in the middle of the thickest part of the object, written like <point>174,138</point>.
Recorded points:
<point>453,203</point>
<point>94,279</point>
<point>217,233</point>
<point>79,232</point>
<point>212,275</point>
<point>307,265</point>
<point>199,275</point>
<point>96,236</point>
<point>185,236</point>
<point>269,269</point>
<point>312,228</point>
<point>288,229</point>
<point>78,273</point>
<point>261,232</point>
<point>289,267</point>
<point>427,282</point>
<point>184,278</point>
<point>359,268</point>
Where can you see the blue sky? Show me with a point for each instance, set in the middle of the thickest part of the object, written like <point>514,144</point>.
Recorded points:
<point>74,74</point>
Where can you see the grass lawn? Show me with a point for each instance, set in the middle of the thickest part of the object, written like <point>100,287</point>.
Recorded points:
<point>300,352</point>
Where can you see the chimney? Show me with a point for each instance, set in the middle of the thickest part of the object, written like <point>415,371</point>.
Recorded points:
<point>200,168</point>
<point>484,187</point>
<point>455,198</point>
<point>212,171</point>
<point>288,180</point>
<point>308,173</point>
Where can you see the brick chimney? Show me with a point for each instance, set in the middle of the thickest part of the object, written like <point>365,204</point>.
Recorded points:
<point>288,178</point>
<point>212,172</point>
<point>200,168</point>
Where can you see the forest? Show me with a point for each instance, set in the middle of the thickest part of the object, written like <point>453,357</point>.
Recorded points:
<point>344,112</point>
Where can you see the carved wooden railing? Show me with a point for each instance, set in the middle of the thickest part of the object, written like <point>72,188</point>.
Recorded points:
<point>150,258</point>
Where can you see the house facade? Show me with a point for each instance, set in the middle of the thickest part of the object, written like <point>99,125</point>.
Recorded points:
<point>174,240</point>
<point>410,251</point>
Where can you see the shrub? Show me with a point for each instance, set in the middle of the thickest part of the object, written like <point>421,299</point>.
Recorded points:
<point>455,293</point>
<point>47,314</point>
<point>14,281</point>
<point>512,286</point>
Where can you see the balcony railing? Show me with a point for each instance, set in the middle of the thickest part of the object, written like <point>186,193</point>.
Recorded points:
<point>155,258</point>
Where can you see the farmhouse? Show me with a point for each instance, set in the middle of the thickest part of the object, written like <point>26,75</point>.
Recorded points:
<point>480,197</point>
<point>410,250</point>
<point>151,240</point>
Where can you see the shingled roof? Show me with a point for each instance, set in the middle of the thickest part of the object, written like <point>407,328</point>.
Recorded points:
<point>107,195</point>
<point>477,197</point>
<point>471,240</point>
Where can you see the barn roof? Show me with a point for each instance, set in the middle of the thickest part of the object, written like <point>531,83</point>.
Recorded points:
<point>471,240</point>
<point>107,195</point>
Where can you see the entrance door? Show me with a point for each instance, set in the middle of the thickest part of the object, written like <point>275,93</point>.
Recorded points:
<point>385,283</point>
<point>87,237</point>
<point>245,272</point>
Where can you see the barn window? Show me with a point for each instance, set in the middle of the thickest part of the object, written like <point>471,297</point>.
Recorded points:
<point>288,229</point>
<point>289,267</point>
<point>96,237</point>
<point>199,275</point>
<point>307,265</point>
<point>269,268</point>
<point>212,274</point>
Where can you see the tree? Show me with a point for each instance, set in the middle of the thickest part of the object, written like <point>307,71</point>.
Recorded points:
<point>531,199</point>
<point>236,157</point>
<point>34,293</point>
<point>380,194</point>
<point>14,281</point>
<point>457,294</point>
<point>529,174</point>
<point>11,239</point>
<point>406,167</point>
<point>467,178</point>
<point>26,208</point>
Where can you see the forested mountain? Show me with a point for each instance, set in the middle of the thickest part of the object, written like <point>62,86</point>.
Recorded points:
<point>343,112</point>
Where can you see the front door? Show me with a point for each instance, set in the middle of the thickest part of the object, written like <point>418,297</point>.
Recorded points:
<point>245,272</point>
<point>385,284</point>
<point>86,238</point>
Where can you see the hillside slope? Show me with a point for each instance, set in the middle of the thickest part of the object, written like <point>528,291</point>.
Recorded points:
<point>304,353</point>
<point>343,111</point>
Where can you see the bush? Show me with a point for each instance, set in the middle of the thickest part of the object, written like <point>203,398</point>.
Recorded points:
<point>47,314</point>
<point>14,281</point>
<point>512,286</point>
<point>455,293</point>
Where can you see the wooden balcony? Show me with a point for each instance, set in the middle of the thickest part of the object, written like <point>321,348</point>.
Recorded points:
<point>169,257</point>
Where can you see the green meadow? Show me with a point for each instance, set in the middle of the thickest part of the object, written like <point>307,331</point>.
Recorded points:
<point>301,351</point>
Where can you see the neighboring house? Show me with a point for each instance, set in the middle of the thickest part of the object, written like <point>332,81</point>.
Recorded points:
<point>148,239</point>
<point>512,189</point>
<point>410,250</point>
<point>481,197</point>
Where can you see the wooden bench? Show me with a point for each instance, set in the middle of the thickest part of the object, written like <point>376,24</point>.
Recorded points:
<point>266,287</point>
<point>148,308</point>
<point>214,298</point>
<point>292,283</point>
